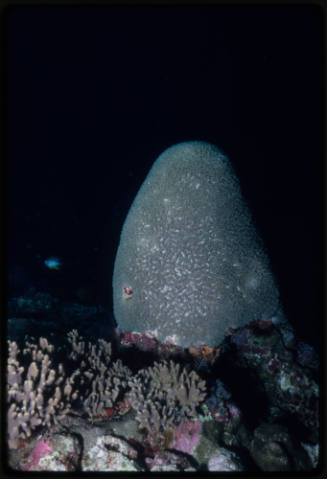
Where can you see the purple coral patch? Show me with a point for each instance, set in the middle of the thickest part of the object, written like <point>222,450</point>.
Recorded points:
<point>41,449</point>
<point>187,436</point>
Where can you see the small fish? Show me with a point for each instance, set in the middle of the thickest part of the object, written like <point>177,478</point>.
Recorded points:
<point>53,263</point>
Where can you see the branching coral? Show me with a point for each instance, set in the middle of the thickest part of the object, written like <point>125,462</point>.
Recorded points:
<point>104,381</point>
<point>41,392</point>
<point>164,394</point>
<point>38,395</point>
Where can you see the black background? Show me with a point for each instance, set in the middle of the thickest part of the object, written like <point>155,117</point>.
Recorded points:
<point>95,94</point>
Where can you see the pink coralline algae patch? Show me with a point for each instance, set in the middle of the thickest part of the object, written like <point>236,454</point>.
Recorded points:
<point>220,416</point>
<point>233,411</point>
<point>228,413</point>
<point>142,340</point>
<point>41,449</point>
<point>130,338</point>
<point>262,323</point>
<point>147,341</point>
<point>187,436</point>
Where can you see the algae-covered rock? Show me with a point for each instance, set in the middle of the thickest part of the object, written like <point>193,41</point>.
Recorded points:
<point>273,449</point>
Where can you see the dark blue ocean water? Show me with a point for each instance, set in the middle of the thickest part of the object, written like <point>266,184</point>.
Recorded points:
<point>96,94</point>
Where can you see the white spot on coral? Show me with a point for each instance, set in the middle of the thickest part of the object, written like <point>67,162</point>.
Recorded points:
<point>252,283</point>
<point>144,242</point>
<point>151,334</point>
<point>171,339</point>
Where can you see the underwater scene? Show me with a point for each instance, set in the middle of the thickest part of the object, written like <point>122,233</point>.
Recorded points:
<point>164,252</point>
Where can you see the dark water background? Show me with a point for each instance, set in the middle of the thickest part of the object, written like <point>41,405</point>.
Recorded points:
<point>96,94</point>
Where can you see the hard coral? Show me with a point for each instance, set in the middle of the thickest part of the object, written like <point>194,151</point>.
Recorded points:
<point>102,382</point>
<point>164,394</point>
<point>41,392</point>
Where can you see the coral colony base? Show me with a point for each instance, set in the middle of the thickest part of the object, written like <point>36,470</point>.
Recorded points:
<point>78,407</point>
<point>203,372</point>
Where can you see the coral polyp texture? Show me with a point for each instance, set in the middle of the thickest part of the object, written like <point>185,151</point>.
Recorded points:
<point>190,263</point>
